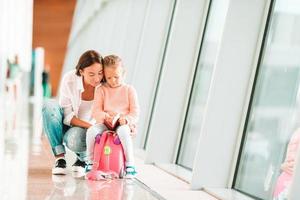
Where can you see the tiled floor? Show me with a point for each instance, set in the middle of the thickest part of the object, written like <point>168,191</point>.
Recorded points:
<point>26,162</point>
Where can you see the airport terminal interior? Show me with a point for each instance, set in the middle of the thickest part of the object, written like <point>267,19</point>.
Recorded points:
<point>216,83</point>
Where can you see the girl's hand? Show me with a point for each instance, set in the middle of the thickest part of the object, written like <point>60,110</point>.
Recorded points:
<point>112,113</point>
<point>108,118</point>
<point>122,121</point>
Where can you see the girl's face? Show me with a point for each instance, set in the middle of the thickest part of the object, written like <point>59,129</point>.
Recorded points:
<point>93,74</point>
<point>114,75</point>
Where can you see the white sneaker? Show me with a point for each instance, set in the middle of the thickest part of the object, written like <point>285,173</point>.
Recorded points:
<point>79,166</point>
<point>130,172</point>
<point>60,167</point>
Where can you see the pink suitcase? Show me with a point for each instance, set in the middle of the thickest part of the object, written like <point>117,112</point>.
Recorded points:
<point>109,157</point>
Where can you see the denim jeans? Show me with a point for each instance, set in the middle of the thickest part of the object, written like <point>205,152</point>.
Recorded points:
<point>60,135</point>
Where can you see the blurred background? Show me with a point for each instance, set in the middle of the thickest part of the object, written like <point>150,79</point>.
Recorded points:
<point>218,86</point>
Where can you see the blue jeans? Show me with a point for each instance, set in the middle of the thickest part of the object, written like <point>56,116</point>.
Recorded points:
<point>59,134</point>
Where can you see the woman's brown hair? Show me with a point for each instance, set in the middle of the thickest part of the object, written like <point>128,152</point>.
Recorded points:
<point>87,59</point>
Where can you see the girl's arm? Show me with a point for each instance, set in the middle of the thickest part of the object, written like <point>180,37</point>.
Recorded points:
<point>134,108</point>
<point>97,110</point>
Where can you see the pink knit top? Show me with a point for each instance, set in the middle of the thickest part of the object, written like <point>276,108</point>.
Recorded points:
<point>291,154</point>
<point>122,99</point>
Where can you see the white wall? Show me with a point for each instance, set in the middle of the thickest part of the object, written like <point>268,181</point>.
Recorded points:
<point>15,36</point>
<point>16,31</point>
<point>176,80</point>
<point>148,61</point>
<point>231,81</point>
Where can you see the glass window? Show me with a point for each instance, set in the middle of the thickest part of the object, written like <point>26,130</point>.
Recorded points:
<point>274,112</point>
<point>208,54</point>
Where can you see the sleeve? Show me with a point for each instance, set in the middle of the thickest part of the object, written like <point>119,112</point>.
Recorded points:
<point>98,107</point>
<point>292,149</point>
<point>134,108</point>
<point>65,102</point>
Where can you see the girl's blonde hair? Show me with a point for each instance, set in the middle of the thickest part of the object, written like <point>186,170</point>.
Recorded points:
<point>111,60</point>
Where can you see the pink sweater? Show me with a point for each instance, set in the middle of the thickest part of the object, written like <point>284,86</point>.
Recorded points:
<point>122,100</point>
<point>291,154</point>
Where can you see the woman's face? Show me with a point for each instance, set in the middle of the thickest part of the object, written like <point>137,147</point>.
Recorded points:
<point>93,74</point>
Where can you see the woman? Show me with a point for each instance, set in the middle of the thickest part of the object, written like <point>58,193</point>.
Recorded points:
<point>67,121</point>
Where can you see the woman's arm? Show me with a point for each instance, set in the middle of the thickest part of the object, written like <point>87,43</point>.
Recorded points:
<point>80,123</point>
<point>65,96</point>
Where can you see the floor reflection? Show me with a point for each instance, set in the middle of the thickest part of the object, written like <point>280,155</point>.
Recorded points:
<point>74,186</point>
<point>77,188</point>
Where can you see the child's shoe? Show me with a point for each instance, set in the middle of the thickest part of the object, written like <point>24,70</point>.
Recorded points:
<point>130,172</point>
<point>88,168</point>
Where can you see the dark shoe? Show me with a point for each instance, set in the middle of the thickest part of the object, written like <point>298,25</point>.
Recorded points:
<point>88,168</point>
<point>79,166</point>
<point>60,167</point>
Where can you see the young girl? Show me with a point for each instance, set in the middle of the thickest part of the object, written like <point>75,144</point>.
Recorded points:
<point>115,97</point>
